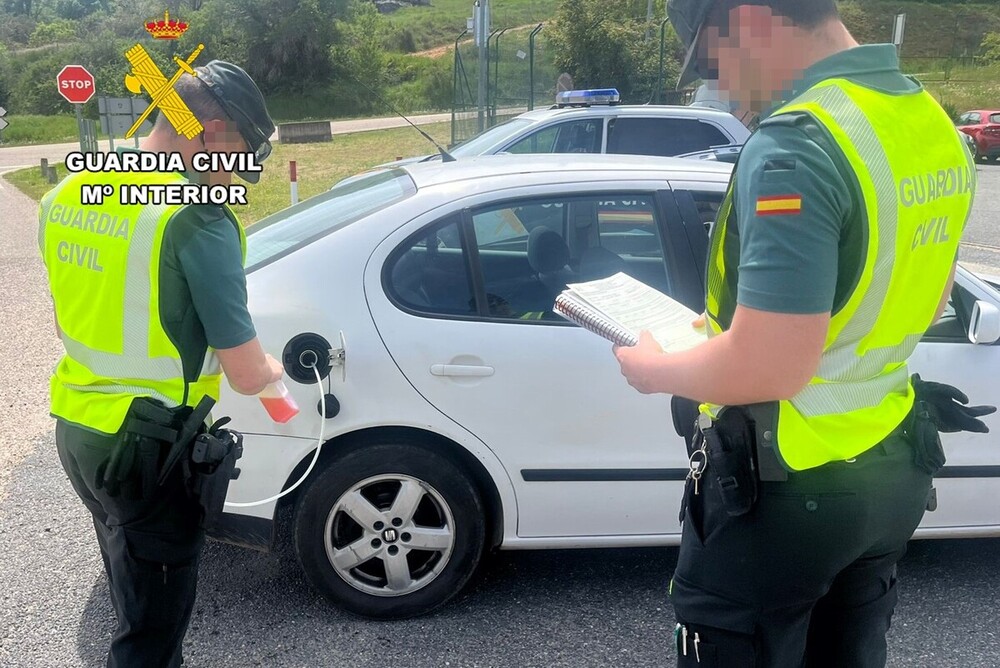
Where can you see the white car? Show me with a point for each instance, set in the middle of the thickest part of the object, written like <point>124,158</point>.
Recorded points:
<point>591,121</point>
<point>463,415</point>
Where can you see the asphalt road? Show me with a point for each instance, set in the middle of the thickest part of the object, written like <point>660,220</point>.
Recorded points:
<point>572,608</point>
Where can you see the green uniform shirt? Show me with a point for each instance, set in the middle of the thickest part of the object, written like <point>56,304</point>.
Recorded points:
<point>806,261</point>
<point>203,292</point>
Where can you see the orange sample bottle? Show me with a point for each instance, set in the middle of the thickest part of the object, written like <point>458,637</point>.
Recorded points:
<point>278,403</point>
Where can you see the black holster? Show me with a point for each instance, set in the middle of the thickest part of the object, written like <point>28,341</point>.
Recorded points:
<point>729,444</point>
<point>141,446</point>
<point>158,446</point>
<point>209,469</point>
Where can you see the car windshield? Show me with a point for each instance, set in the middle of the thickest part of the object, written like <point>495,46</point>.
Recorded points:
<point>498,134</point>
<point>300,225</point>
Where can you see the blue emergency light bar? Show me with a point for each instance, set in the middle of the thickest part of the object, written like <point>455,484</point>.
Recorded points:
<point>588,97</point>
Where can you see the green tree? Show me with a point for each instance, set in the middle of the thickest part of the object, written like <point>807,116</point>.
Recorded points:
<point>360,56</point>
<point>610,44</point>
<point>76,9</point>
<point>55,32</point>
<point>6,76</point>
<point>283,44</point>
<point>989,50</point>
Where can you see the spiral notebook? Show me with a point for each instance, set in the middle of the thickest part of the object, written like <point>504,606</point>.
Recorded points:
<point>619,307</point>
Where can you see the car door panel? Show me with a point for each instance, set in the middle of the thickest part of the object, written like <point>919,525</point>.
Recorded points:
<point>971,475</point>
<point>549,399</point>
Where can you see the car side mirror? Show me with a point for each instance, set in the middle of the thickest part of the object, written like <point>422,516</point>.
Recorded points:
<point>984,324</point>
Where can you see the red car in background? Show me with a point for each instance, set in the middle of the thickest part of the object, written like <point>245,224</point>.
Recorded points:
<point>984,127</point>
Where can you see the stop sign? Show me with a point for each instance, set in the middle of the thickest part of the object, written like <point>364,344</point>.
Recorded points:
<point>75,84</point>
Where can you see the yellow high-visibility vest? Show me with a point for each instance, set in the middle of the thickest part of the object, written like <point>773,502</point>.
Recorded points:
<point>916,200</point>
<point>103,265</point>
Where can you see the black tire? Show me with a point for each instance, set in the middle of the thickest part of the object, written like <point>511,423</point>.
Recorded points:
<point>442,481</point>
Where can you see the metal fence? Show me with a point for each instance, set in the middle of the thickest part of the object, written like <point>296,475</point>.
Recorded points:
<point>519,75</point>
<point>939,69</point>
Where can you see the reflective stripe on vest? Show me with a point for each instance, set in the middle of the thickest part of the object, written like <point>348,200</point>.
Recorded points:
<point>103,263</point>
<point>916,205</point>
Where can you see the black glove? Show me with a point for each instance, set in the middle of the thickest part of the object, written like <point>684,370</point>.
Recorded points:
<point>946,407</point>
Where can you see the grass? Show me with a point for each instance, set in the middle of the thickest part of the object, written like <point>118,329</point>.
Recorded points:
<point>319,166</point>
<point>35,129</point>
<point>444,20</point>
<point>964,88</point>
<point>932,30</point>
<point>29,180</point>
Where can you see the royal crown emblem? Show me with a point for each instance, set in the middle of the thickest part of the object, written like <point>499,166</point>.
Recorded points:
<point>166,28</point>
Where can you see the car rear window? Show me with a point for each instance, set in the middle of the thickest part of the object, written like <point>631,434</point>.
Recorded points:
<point>663,136</point>
<point>295,227</point>
<point>995,118</point>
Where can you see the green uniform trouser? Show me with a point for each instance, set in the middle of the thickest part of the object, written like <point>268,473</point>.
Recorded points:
<point>808,576</point>
<point>151,553</point>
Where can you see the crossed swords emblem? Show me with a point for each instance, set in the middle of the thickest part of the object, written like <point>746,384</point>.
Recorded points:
<point>146,75</point>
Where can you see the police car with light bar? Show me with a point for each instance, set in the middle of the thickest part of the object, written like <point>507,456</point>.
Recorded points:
<point>595,121</point>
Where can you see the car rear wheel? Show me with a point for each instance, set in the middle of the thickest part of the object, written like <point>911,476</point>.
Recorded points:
<point>390,531</point>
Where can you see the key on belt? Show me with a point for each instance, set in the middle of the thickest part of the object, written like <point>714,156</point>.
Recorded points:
<point>698,461</point>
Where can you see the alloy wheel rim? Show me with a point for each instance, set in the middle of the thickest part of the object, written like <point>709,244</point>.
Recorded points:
<point>389,535</point>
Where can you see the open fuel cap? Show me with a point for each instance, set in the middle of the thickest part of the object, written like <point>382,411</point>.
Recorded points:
<point>306,352</point>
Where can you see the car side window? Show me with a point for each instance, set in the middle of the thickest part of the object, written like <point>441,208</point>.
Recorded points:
<point>662,136</point>
<point>522,256</point>
<point>581,136</point>
<point>708,205</point>
<point>629,242</point>
<point>529,251</point>
<point>974,117</point>
<point>429,271</point>
<point>525,253</point>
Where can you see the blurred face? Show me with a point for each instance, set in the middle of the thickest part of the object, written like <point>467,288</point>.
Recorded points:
<point>752,52</point>
<point>222,136</point>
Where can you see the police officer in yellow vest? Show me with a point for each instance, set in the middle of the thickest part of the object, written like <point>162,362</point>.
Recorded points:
<point>832,254</point>
<point>151,306</point>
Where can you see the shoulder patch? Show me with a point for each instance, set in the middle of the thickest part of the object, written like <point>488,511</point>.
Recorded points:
<point>779,205</point>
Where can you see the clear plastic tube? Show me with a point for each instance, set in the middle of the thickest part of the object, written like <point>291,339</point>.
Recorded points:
<point>312,464</point>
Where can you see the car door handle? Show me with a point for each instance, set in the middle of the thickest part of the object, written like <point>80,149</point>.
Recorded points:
<point>463,370</point>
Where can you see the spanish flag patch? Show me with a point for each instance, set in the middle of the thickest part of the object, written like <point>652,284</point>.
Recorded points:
<point>779,205</point>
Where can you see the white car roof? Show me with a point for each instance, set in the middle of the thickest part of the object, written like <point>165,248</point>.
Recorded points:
<point>595,165</point>
<point>678,111</point>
